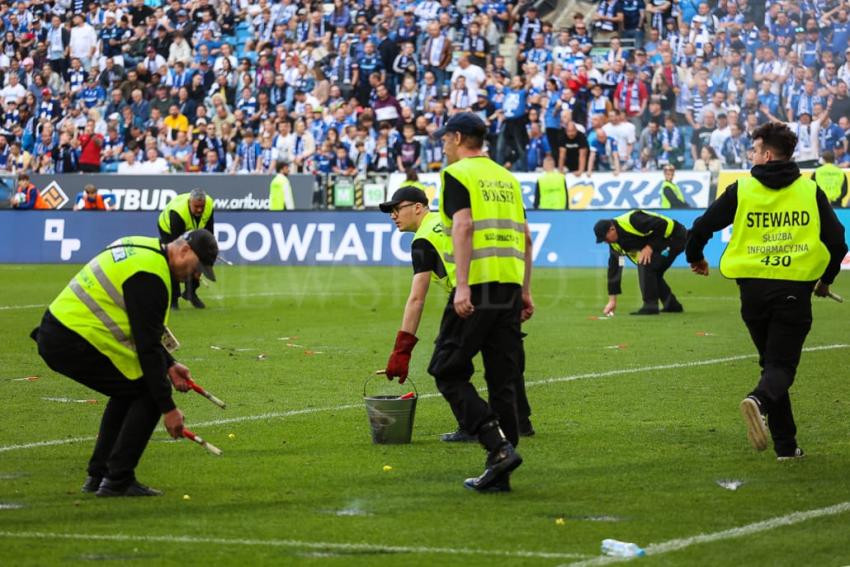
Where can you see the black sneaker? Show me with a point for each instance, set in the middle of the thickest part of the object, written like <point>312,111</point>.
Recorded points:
<point>756,422</point>
<point>197,303</point>
<point>109,488</point>
<point>797,454</point>
<point>674,308</point>
<point>459,436</point>
<point>500,484</point>
<point>91,484</point>
<point>645,311</point>
<point>527,430</point>
<point>499,465</point>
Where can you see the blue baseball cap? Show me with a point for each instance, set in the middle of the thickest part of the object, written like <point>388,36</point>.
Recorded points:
<point>466,123</point>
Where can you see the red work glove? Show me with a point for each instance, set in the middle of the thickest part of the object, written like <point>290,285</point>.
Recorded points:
<point>400,357</point>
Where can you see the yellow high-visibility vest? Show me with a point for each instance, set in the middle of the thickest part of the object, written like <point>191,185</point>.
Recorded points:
<point>432,230</point>
<point>776,234</point>
<point>830,178</point>
<point>553,191</point>
<point>665,202</point>
<point>625,222</point>
<point>92,304</point>
<point>498,220</point>
<point>180,205</point>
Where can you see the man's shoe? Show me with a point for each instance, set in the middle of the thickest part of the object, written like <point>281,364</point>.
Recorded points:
<point>797,454</point>
<point>109,488</point>
<point>175,304</point>
<point>197,303</point>
<point>91,484</point>
<point>675,308</point>
<point>526,430</point>
<point>499,465</point>
<point>756,422</point>
<point>501,484</point>
<point>645,311</point>
<point>459,436</point>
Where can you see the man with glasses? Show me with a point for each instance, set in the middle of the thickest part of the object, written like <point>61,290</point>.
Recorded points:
<point>104,330</point>
<point>433,263</point>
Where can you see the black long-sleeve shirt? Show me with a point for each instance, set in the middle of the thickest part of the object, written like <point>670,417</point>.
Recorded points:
<point>654,226</point>
<point>146,298</point>
<point>778,176</point>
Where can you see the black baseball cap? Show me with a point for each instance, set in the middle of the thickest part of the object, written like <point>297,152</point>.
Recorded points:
<point>405,193</point>
<point>465,123</point>
<point>600,229</point>
<point>203,244</point>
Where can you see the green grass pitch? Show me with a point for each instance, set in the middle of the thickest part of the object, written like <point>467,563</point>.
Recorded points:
<point>637,419</point>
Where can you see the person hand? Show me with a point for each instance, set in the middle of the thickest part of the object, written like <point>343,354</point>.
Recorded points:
<point>610,307</point>
<point>397,365</point>
<point>645,256</point>
<point>527,307</point>
<point>179,374</point>
<point>821,289</point>
<point>700,268</point>
<point>463,302</point>
<point>174,423</point>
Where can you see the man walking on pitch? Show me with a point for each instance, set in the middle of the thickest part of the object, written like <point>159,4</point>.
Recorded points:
<point>481,208</point>
<point>104,330</point>
<point>786,243</point>
<point>188,211</point>
<point>652,242</point>
<point>433,263</point>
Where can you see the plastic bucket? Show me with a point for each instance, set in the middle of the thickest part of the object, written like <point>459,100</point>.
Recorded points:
<point>390,417</point>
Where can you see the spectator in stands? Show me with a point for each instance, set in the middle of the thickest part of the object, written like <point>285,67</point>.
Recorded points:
<point>91,144</point>
<point>708,161</point>
<point>604,155</point>
<point>572,153</point>
<point>623,134</point>
<point>702,135</point>
<point>631,96</point>
<point>513,137</point>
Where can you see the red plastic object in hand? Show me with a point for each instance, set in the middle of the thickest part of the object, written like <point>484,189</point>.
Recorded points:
<point>408,395</point>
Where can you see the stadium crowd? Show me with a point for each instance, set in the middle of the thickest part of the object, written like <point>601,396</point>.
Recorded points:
<point>152,86</point>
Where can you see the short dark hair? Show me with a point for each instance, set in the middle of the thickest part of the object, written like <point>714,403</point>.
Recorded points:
<point>777,137</point>
<point>472,141</point>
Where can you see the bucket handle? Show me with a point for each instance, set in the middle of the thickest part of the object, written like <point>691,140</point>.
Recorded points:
<point>366,383</point>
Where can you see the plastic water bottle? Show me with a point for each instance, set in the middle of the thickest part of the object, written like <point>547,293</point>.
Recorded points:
<point>616,548</point>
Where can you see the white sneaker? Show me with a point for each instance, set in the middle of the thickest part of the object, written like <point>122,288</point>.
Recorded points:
<point>756,423</point>
<point>798,454</point>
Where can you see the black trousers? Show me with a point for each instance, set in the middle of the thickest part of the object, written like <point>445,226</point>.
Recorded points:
<point>494,331</point>
<point>653,287</point>
<point>131,414</point>
<point>779,317</point>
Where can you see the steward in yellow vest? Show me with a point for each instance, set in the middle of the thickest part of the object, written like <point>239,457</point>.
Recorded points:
<point>786,244</point>
<point>105,331</point>
<point>550,192</point>
<point>280,190</point>
<point>482,210</point>
<point>831,179</point>
<point>652,242</point>
<point>433,263</point>
<point>671,195</point>
<point>188,211</point>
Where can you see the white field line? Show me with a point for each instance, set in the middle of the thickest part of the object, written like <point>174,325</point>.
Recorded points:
<point>326,546</point>
<point>307,294</point>
<point>532,383</point>
<point>749,529</point>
